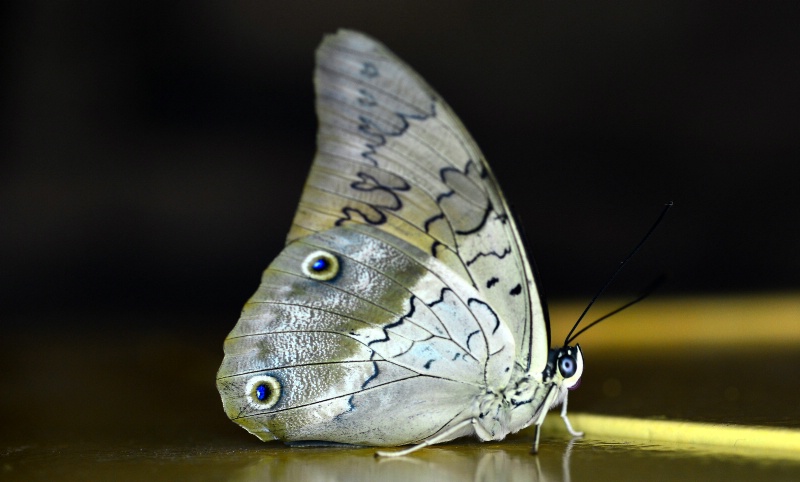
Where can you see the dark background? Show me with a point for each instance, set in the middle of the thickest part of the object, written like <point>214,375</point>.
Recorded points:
<point>154,152</point>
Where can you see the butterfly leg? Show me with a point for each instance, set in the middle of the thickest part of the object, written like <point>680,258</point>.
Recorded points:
<point>535,448</point>
<point>446,435</point>
<point>571,430</point>
<point>552,393</point>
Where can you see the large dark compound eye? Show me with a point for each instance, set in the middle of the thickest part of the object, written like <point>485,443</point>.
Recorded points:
<point>567,366</point>
<point>570,366</point>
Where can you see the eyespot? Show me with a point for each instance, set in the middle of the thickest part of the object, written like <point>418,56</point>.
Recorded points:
<point>321,265</point>
<point>263,391</point>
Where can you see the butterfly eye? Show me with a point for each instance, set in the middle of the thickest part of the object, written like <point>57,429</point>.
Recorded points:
<point>321,265</point>
<point>570,366</point>
<point>567,366</point>
<point>263,391</point>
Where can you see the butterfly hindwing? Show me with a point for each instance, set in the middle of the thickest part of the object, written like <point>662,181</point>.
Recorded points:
<point>393,332</point>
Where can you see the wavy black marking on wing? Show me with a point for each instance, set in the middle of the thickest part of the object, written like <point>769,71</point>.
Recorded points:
<point>375,372</point>
<point>382,215</point>
<point>444,195</point>
<point>368,183</point>
<point>399,322</point>
<point>387,336</point>
<point>465,174</point>
<point>436,245</point>
<point>451,176</point>
<point>369,70</point>
<point>488,307</point>
<point>378,136</point>
<point>410,314</point>
<point>389,327</point>
<point>431,220</point>
<point>517,403</point>
<point>366,99</point>
<point>441,300</point>
<point>350,407</point>
<point>470,337</point>
<point>347,211</point>
<point>370,129</point>
<point>467,145</point>
<point>502,255</point>
<point>480,225</point>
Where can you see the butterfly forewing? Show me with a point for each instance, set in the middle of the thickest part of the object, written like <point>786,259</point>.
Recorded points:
<point>392,154</point>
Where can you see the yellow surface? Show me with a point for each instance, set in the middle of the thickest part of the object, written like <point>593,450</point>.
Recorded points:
<point>683,389</point>
<point>751,441</point>
<point>744,320</point>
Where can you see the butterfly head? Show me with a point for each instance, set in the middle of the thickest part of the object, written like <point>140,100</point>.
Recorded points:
<point>565,366</point>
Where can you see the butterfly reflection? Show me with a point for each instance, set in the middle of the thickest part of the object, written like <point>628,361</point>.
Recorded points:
<point>495,462</point>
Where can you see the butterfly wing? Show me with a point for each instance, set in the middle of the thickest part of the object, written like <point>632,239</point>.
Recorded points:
<point>346,356</point>
<point>392,154</point>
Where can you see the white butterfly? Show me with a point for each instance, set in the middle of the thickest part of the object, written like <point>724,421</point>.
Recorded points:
<point>403,309</point>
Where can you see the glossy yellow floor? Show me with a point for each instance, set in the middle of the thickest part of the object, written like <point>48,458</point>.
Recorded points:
<point>686,389</point>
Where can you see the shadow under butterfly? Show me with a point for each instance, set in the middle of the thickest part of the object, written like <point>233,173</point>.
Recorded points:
<point>403,309</point>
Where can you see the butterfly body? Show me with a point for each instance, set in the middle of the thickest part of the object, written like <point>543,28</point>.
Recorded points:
<point>403,308</point>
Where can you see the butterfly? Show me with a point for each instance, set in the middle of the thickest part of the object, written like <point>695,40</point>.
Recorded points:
<point>403,308</point>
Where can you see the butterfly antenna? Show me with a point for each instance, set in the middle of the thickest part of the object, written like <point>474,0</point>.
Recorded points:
<point>647,292</point>
<point>621,265</point>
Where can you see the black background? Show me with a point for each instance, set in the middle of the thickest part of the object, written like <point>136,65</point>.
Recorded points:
<point>154,152</point>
